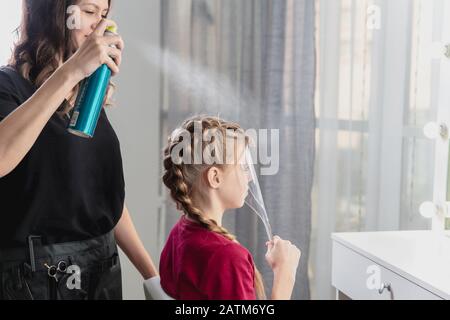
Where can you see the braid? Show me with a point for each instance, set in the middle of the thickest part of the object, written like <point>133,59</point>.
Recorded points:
<point>211,225</point>
<point>180,193</point>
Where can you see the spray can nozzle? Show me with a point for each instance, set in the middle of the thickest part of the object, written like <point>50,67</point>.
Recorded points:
<point>112,29</point>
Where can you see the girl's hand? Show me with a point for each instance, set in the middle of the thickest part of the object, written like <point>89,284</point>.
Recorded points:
<point>282,256</point>
<point>97,50</point>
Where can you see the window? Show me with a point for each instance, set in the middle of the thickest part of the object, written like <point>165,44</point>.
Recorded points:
<point>376,89</point>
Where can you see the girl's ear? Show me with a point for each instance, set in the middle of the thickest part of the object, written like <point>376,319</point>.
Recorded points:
<point>214,177</point>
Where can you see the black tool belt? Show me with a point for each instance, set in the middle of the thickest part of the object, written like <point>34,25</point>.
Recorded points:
<point>88,269</point>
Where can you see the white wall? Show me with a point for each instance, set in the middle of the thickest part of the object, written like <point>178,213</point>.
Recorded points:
<point>136,121</point>
<point>9,21</point>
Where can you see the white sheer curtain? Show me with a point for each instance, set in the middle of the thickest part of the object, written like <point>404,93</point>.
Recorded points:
<point>376,89</point>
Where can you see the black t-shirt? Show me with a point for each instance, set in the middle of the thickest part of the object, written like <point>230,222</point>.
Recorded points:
<point>66,188</point>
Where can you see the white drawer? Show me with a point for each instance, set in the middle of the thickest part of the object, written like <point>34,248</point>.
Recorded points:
<point>351,271</point>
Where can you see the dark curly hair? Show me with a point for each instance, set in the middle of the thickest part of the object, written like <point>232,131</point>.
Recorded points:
<point>45,42</point>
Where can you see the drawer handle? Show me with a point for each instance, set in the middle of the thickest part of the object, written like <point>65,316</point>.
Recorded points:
<point>384,286</point>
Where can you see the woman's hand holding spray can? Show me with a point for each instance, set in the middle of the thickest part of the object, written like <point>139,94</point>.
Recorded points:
<point>92,92</point>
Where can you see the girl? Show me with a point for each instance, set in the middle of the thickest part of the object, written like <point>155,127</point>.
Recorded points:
<point>201,259</point>
<point>63,197</point>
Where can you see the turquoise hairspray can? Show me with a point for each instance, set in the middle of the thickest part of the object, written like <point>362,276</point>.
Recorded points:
<point>89,102</point>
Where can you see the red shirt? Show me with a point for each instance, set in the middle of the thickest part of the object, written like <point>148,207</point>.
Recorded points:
<point>198,264</point>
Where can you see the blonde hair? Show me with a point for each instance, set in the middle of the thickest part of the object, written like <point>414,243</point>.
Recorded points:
<point>180,179</point>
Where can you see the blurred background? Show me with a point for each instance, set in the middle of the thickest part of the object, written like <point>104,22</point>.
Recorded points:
<point>349,83</point>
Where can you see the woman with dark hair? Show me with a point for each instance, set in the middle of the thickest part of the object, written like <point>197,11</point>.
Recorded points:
<point>62,196</point>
